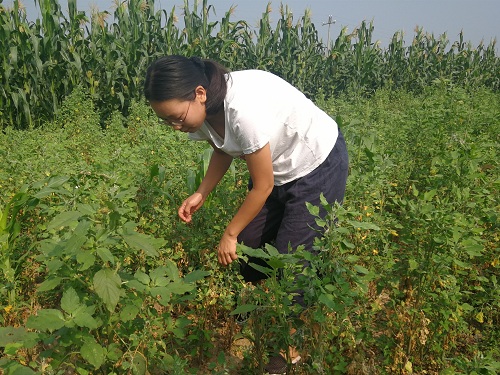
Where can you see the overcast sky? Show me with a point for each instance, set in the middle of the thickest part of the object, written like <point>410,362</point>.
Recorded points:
<point>479,19</point>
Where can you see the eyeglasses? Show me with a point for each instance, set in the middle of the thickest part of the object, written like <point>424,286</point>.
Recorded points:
<point>179,121</point>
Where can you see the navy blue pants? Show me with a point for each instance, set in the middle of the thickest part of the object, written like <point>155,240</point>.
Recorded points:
<point>285,220</point>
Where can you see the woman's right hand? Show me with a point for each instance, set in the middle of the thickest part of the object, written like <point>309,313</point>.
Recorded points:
<point>190,206</point>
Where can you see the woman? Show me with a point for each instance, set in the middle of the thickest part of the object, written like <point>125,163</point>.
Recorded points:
<point>293,150</point>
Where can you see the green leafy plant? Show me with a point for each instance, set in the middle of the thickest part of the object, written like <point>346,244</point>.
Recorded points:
<point>106,278</point>
<point>10,228</point>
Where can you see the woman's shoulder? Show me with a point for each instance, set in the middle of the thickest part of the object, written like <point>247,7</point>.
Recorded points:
<point>252,74</point>
<point>257,82</point>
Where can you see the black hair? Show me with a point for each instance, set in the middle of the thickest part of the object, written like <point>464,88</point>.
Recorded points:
<point>176,77</point>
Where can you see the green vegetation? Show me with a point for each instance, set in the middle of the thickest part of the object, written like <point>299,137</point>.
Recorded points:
<point>43,61</point>
<point>99,276</point>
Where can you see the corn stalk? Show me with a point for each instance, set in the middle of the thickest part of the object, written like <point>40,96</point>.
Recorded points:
<point>44,60</point>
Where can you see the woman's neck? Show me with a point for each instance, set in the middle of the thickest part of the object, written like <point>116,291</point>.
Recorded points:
<point>217,122</point>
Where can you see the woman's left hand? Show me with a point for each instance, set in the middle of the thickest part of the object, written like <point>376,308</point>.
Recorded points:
<point>226,252</point>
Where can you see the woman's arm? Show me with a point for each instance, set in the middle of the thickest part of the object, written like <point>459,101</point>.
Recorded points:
<point>218,166</point>
<point>261,172</point>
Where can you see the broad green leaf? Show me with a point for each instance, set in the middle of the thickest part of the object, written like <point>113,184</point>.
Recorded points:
<point>158,274</point>
<point>414,190</point>
<point>313,210</point>
<point>360,269</point>
<point>461,264</point>
<point>195,276</point>
<point>78,238</point>
<point>19,369</point>
<point>180,287</point>
<point>264,270</point>
<point>74,244</point>
<point>53,265</point>
<point>138,364</point>
<point>242,309</point>
<point>324,202</point>
<point>106,255</point>
<point>327,300</point>
<point>276,263</point>
<point>257,253</point>
<point>473,248</point>
<point>154,171</point>
<point>439,239</point>
<point>4,241</point>
<point>272,251</point>
<point>320,222</point>
<point>64,219</point>
<point>363,225</point>
<point>191,181</point>
<point>163,293</point>
<point>50,248</point>
<point>86,209</point>
<point>49,284</point>
<point>428,195</point>
<point>9,335</point>
<point>352,258</point>
<point>330,287</point>
<point>450,371</point>
<point>86,260</point>
<point>171,270</point>
<point>348,244</point>
<point>114,352</point>
<point>129,312</point>
<point>142,277</point>
<point>45,192</point>
<point>179,333</point>
<point>141,241</point>
<point>93,353</point>
<point>57,181</point>
<point>137,285</point>
<point>4,215</point>
<point>70,301</point>
<point>46,320</point>
<point>84,319</point>
<point>11,349</point>
<point>107,286</point>
<point>160,281</point>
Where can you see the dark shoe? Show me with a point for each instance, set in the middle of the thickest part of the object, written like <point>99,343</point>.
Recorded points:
<point>276,366</point>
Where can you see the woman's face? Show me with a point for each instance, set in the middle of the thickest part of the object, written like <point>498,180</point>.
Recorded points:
<point>184,115</point>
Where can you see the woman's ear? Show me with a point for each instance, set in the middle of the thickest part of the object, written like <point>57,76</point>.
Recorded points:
<point>201,94</point>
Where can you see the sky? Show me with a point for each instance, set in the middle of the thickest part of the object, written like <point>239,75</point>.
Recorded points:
<point>478,19</point>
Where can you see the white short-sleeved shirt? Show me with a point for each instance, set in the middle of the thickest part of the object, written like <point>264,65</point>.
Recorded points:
<point>262,108</point>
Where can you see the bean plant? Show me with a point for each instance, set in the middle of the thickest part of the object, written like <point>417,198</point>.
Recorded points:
<point>99,275</point>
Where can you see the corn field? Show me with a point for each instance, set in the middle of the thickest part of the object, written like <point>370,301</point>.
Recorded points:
<point>44,60</point>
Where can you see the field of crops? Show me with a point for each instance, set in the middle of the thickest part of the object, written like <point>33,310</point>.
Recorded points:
<point>43,61</point>
<point>99,276</point>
